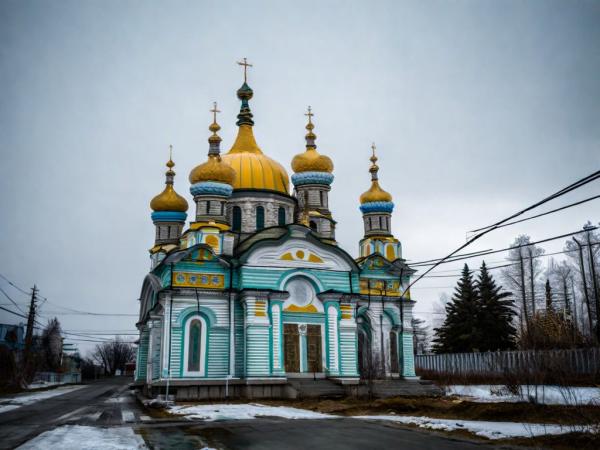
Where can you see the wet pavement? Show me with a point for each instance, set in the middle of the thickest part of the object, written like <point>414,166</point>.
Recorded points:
<point>109,403</point>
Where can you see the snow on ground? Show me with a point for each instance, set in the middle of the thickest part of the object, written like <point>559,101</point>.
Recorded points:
<point>490,430</point>
<point>9,403</point>
<point>77,437</point>
<point>547,395</point>
<point>245,411</point>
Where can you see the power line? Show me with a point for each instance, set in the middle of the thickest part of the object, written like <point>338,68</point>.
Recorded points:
<point>539,215</point>
<point>14,285</point>
<point>12,312</point>
<point>571,187</point>
<point>509,248</point>
<point>12,301</point>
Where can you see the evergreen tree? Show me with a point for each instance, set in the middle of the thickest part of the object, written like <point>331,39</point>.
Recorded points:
<point>461,331</point>
<point>496,314</point>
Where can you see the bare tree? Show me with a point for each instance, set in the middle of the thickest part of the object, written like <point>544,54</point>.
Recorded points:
<point>113,355</point>
<point>584,255</point>
<point>522,275</point>
<point>51,345</point>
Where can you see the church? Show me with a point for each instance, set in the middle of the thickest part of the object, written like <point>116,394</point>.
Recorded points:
<point>256,292</point>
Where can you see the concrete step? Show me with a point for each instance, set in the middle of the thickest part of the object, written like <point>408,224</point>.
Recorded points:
<point>317,388</point>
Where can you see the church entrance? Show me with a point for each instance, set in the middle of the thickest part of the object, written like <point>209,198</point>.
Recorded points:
<point>303,348</point>
<point>314,355</point>
<point>291,347</point>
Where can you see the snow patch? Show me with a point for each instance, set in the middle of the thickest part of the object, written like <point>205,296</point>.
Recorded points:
<point>544,394</point>
<point>9,403</point>
<point>245,411</point>
<point>78,437</point>
<point>490,430</point>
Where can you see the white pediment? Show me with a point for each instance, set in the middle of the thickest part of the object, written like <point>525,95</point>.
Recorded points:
<point>295,253</point>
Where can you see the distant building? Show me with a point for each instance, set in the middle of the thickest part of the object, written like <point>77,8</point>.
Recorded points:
<point>257,291</point>
<point>12,336</point>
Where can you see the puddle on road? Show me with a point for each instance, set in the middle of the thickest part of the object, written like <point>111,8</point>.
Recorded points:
<point>181,438</point>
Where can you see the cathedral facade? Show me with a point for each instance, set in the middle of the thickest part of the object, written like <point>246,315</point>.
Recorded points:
<point>256,291</point>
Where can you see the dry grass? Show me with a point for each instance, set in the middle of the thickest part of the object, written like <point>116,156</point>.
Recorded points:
<point>451,408</point>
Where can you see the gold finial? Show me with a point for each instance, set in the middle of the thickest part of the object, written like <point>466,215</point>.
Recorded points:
<point>373,157</point>
<point>215,111</point>
<point>170,163</point>
<point>309,114</point>
<point>214,127</point>
<point>246,64</point>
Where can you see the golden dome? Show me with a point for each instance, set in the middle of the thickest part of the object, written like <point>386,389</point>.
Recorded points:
<point>169,200</point>
<point>253,169</point>
<point>375,193</point>
<point>214,169</point>
<point>311,160</point>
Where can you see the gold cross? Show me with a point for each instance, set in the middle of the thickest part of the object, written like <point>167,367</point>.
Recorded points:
<point>373,148</point>
<point>215,111</point>
<point>246,64</point>
<point>170,153</point>
<point>309,114</point>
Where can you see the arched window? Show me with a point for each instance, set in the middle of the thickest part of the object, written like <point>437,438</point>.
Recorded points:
<point>322,197</point>
<point>281,216</point>
<point>207,207</point>
<point>313,225</point>
<point>260,218</point>
<point>380,225</point>
<point>194,346</point>
<point>236,220</point>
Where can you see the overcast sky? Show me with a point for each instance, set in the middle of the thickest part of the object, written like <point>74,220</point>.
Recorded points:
<point>478,109</point>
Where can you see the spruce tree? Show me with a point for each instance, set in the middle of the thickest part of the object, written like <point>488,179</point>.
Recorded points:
<point>461,331</point>
<point>496,314</point>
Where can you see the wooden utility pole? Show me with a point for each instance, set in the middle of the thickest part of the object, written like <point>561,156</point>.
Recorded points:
<point>523,297</point>
<point>585,287</point>
<point>29,332</point>
<point>595,284</point>
<point>532,282</point>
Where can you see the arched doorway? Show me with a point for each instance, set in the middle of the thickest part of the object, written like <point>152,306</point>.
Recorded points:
<point>365,356</point>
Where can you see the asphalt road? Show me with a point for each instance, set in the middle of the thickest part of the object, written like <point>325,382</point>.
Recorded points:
<point>108,404</point>
<point>311,434</point>
<point>21,424</point>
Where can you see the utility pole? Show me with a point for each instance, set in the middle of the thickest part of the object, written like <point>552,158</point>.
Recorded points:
<point>29,332</point>
<point>585,287</point>
<point>532,287</point>
<point>523,296</point>
<point>594,283</point>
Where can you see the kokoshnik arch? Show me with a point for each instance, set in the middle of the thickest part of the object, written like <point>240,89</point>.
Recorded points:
<point>256,291</point>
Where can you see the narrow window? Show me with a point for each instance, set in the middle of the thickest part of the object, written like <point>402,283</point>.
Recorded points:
<point>236,224</point>
<point>380,225</point>
<point>260,218</point>
<point>322,197</point>
<point>194,346</point>
<point>313,225</point>
<point>281,216</point>
<point>222,208</point>
<point>207,207</point>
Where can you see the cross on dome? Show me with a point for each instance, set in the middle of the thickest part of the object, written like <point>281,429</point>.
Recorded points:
<point>246,64</point>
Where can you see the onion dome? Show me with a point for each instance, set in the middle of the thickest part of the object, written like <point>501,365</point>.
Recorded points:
<point>311,160</point>
<point>375,193</point>
<point>169,200</point>
<point>215,169</point>
<point>253,169</point>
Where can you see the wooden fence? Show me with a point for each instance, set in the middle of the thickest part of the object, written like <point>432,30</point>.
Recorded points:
<point>584,361</point>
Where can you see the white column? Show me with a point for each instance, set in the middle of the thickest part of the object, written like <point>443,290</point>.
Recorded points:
<point>332,345</point>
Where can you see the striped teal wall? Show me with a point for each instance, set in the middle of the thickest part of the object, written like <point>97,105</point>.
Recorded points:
<point>156,356</point>
<point>239,339</point>
<point>218,352</point>
<point>271,278</point>
<point>142,357</point>
<point>257,351</point>
<point>348,357</point>
<point>408,366</point>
